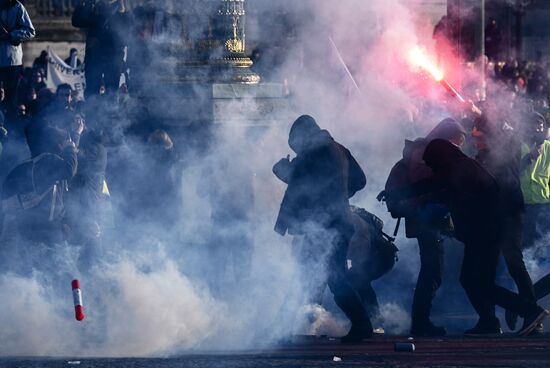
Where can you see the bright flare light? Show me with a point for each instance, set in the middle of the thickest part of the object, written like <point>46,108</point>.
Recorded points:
<point>419,59</point>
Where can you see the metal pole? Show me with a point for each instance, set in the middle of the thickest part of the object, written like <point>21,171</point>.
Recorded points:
<point>483,89</point>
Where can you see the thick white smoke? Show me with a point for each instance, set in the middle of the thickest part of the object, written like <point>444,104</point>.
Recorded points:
<point>158,293</point>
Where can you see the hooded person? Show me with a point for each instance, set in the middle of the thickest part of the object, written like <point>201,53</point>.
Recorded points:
<point>472,196</point>
<point>450,130</point>
<point>315,209</point>
<point>424,222</point>
<point>499,152</point>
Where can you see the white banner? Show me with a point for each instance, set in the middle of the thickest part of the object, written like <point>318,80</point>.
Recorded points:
<point>59,73</point>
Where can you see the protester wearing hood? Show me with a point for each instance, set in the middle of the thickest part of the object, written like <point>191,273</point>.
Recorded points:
<point>499,152</point>
<point>425,222</point>
<point>450,130</point>
<point>315,208</point>
<point>472,195</point>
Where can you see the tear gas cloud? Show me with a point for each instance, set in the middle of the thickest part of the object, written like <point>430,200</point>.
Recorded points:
<point>163,290</point>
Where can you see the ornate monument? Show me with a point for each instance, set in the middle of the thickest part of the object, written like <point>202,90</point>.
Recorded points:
<point>202,48</point>
<point>205,41</point>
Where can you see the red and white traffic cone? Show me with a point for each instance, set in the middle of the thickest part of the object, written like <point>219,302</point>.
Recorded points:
<point>77,299</point>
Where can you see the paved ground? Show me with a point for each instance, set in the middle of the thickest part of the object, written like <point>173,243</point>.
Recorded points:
<point>507,351</point>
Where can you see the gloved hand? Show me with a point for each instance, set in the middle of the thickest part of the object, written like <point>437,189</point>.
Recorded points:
<point>283,169</point>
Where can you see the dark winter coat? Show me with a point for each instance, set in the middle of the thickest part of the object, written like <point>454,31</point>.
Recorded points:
<point>324,176</point>
<point>470,192</point>
<point>105,32</point>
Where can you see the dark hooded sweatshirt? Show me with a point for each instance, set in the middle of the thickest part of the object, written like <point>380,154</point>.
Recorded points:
<point>324,176</point>
<point>470,192</point>
<point>459,182</point>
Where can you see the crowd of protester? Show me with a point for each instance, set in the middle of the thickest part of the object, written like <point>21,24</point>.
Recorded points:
<point>508,139</point>
<point>55,144</point>
<point>528,80</point>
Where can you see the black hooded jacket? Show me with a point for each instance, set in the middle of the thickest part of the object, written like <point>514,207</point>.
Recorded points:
<point>324,176</point>
<point>470,192</point>
<point>464,186</point>
<point>412,169</point>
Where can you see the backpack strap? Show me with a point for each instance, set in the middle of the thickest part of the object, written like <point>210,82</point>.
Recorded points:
<point>397,225</point>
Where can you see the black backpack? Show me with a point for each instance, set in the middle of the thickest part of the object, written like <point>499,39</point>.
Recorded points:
<point>21,193</point>
<point>382,250</point>
<point>397,180</point>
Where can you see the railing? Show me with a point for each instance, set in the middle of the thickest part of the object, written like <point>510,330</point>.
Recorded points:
<point>65,8</point>
<point>55,8</point>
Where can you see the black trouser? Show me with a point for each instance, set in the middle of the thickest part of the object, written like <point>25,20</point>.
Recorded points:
<point>9,77</point>
<point>537,225</point>
<point>478,279</point>
<point>429,277</point>
<point>334,256</point>
<point>102,71</point>
<point>511,232</point>
<point>361,281</point>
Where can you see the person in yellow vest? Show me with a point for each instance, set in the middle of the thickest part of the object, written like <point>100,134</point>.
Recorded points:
<point>535,184</point>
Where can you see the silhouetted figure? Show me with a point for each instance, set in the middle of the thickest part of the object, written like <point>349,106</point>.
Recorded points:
<point>472,196</point>
<point>41,62</point>
<point>499,152</point>
<point>315,208</point>
<point>426,222</point>
<point>106,24</point>
<point>493,40</point>
<point>73,61</point>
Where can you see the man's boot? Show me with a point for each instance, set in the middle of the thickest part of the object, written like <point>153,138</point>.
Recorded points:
<point>485,328</point>
<point>357,333</point>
